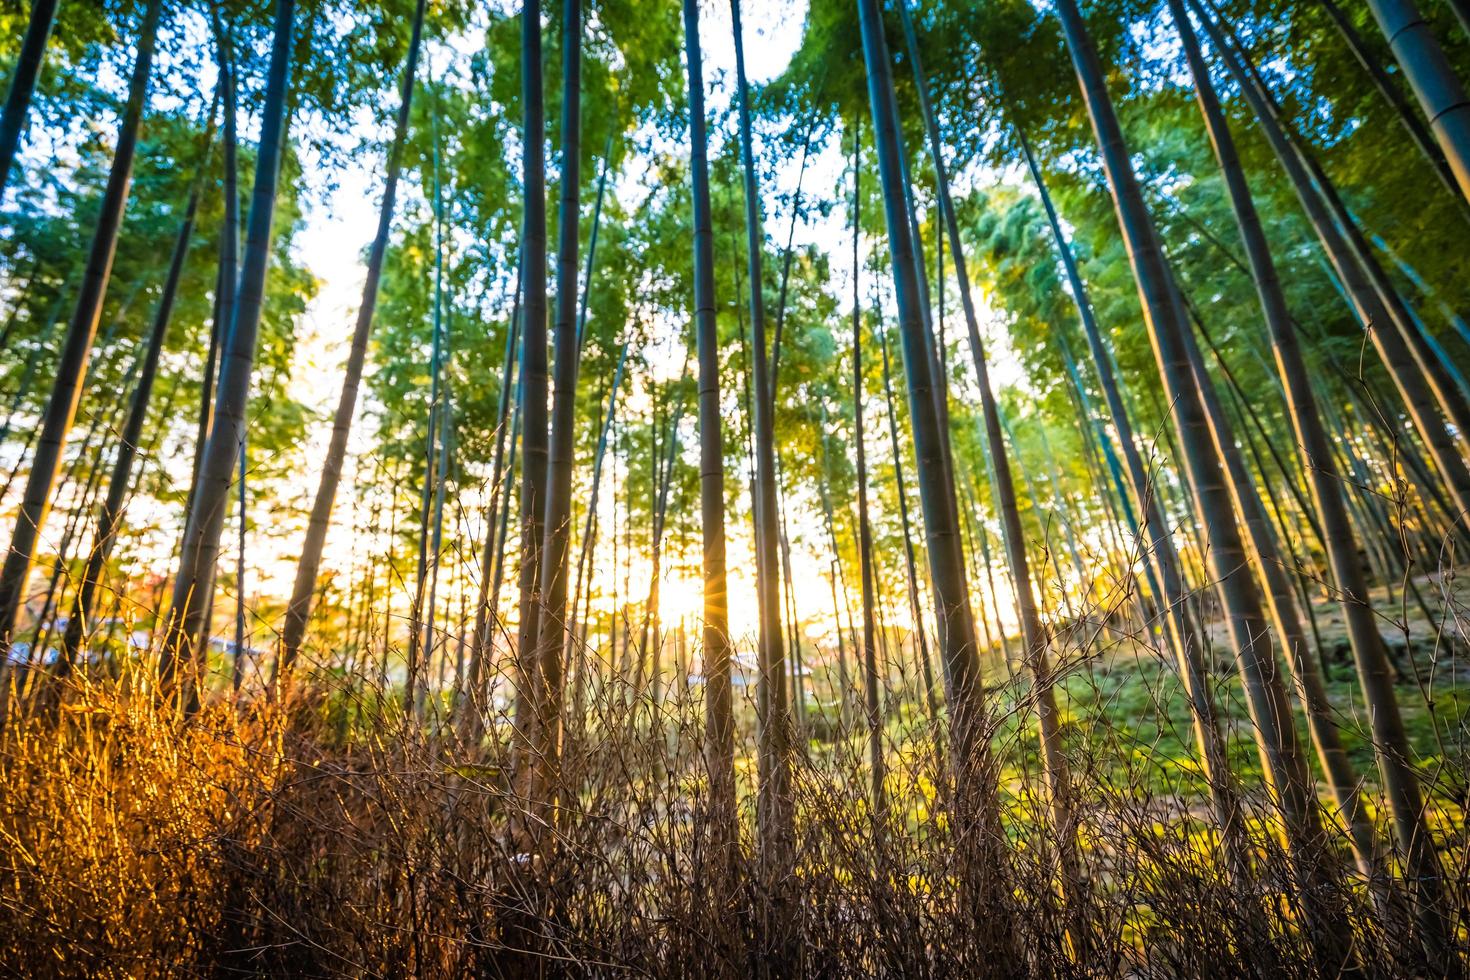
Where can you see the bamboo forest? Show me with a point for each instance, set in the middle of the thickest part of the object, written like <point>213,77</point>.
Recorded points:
<point>735,488</point>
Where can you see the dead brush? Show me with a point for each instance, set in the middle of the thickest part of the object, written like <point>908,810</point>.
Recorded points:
<point>265,838</point>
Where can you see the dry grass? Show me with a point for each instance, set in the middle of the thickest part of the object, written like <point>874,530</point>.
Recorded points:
<point>331,837</point>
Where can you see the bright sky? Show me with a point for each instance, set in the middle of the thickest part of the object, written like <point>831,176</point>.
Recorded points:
<point>349,215</point>
<point>340,218</point>
<point>334,232</point>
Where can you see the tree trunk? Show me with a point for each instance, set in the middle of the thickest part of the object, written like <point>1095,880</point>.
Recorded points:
<point>23,386</point>
<point>1032,632</point>
<point>66,391</point>
<point>1108,470</point>
<point>492,557</point>
<point>1284,762</point>
<point>1421,349</point>
<point>910,565</point>
<point>534,382</point>
<point>975,802</point>
<point>502,529</point>
<point>583,588</point>
<point>788,256</point>
<point>195,579</point>
<point>117,490</point>
<point>576,620</point>
<point>436,442</point>
<point>50,603</point>
<point>440,484</point>
<point>1442,361</point>
<point>227,278</point>
<point>1441,93</point>
<point>837,576</point>
<point>242,530</point>
<point>796,669</point>
<point>775,807</point>
<point>1367,305</point>
<point>1065,511</point>
<point>1374,674</point>
<point>23,84</point>
<point>865,531</point>
<point>1418,132</point>
<point>1455,320</point>
<point>541,777</point>
<point>844,682</point>
<point>650,640</point>
<point>720,726</point>
<point>299,610</point>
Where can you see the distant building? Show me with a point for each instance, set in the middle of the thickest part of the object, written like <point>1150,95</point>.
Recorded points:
<point>745,672</point>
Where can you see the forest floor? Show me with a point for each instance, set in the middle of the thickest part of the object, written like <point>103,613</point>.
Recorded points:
<point>281,840</point>
<point>1126,710</point>
<point>1127,720</point>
